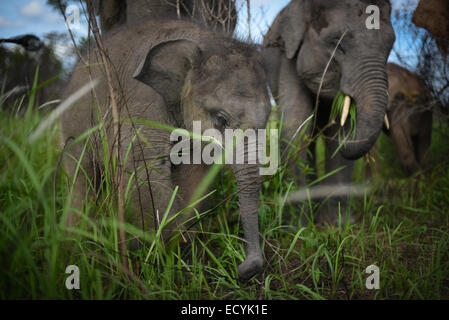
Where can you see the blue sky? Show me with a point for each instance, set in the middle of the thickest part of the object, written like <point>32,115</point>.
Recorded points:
<point>29,16</point>
<point>35,16</point>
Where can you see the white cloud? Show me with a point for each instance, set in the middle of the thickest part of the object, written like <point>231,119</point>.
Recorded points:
<point>5,23</point>
<point>53,17</point>
<point>62,49</point>
<point>32,9</point>
<point>36,11</point>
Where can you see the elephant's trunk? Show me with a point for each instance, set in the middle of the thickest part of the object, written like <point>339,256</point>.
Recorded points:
<point>367,84</point>
<point>248,183</point>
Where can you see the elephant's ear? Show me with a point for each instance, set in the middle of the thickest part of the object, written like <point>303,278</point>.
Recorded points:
<point>290,26</point>
<point>165,67</point>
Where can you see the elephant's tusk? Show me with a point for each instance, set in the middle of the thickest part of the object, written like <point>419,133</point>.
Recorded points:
<point>387,123</point>
<point>345,113</point>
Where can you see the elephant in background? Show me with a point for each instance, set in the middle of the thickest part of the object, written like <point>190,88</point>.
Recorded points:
<point>219,15</point>
<point>172,72</point>
<point>433,15</point>
<point>297,49</point>
<point>410,117</point>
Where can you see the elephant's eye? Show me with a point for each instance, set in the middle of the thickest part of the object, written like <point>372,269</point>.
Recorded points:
<point>334,41</point>
<point>334,45</point>
<point>221,120</point>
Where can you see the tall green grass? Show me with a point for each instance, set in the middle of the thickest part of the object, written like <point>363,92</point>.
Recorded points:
<point>402,227</point>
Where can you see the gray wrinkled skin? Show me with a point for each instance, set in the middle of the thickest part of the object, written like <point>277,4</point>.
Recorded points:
<point>172,72</point>
<point>410,117</point>
<point>297,49</point>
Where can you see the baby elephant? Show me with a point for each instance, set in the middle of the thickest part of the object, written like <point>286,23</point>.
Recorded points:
<point>171,72</point>
<point>410,117</point>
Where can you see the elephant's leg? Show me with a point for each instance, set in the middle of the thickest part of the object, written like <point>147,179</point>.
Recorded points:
<point>424,140</point>
<point>83,175</point>
<point>334,208</point>
<point>312,161</point>
<point>154,185</point>
<point>404,147</point>
<point>150,197</point>
<point>189,178</point>
<point>296,106</point>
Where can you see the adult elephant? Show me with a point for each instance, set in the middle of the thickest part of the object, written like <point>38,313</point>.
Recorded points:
<point>219,15</point>
<point>433,15</point>
<point>410,117</point>
<point>298,48</point>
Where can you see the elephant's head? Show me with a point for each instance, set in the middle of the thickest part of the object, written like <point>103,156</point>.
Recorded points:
<point>310,30</point>
<point>221,83</point>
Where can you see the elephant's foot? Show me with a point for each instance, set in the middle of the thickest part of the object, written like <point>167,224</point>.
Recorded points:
<point>250,267</point>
